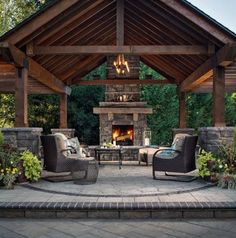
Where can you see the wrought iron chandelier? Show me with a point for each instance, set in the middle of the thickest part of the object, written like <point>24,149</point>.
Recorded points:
<point>121,65</point>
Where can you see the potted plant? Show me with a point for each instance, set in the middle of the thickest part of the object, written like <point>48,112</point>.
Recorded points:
<point>31,166</point>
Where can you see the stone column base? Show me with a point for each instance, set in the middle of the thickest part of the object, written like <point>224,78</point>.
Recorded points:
<point>189,131</point>
<point>210,138</point>
<point>68,132</point>
<point>24,138</point>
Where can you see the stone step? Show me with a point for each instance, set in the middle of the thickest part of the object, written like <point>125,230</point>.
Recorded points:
<point>118,210</point>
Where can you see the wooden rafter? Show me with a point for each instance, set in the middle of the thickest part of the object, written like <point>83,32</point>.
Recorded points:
<point>224,57</point>
<point>121,81</point>
<point>37,71</point>
<point>127,49</point>
<point>67,26</point>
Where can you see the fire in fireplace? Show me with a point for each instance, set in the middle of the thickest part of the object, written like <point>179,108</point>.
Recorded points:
<point>123,135</point>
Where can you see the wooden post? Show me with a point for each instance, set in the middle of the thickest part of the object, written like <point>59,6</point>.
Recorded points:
<point>63,110</point>
<point>21,98</point>
<point>219,97</point>
<point>182,110</point>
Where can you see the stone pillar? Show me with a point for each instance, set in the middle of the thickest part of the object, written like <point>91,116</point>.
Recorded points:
<point>24,138</point>
<point>210,138</point>
<point>69,133</point>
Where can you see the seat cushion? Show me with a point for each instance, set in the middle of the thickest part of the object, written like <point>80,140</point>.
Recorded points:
<point>166,154</point>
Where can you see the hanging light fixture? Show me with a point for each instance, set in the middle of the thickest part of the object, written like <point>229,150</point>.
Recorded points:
<point>121,65</point>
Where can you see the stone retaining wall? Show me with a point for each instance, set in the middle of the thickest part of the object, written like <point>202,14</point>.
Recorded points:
<point>210,138</point>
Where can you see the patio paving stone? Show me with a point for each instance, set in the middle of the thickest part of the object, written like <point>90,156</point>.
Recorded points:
<point>128,192</point>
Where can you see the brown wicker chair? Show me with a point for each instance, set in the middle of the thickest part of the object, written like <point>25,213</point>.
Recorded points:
<point>58,158</point>
<point>176,160</point>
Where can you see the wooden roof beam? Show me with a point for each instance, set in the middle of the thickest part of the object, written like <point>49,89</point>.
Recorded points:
<point>127,49</point>
<point>224,57</point>
<point>37,71</point>
<point>37,22</point>
<point>121,81</point>
<point>199,20</point>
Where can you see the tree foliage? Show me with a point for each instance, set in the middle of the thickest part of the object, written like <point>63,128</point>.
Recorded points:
<point>12,12</point>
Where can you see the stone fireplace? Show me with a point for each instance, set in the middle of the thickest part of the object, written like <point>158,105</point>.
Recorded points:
<point>123,117</point>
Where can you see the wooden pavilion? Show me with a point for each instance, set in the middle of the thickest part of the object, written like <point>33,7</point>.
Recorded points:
<point>57,46</point>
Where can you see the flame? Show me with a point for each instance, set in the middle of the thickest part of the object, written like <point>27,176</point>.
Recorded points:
<point>115,134</point>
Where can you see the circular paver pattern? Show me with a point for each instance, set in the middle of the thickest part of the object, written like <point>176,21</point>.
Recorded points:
<point>130,181</point>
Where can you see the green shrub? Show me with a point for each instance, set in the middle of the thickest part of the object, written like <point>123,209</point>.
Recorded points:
<point>1,138</point>
<point>32,166</point>
<point>203,161</point>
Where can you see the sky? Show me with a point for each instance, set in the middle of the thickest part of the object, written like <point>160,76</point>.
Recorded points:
<point>224,11</point>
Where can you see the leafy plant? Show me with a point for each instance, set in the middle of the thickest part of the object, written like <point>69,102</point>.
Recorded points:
<point>32,166</point>
<point>227,158</point>
<point>1,138</point>
<point>206,164</point>
<point>9,158</point>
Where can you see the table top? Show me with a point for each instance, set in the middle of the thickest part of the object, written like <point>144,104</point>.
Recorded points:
<point>108,149</point>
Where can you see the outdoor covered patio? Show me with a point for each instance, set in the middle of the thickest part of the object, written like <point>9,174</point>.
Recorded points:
<point>56,47</point>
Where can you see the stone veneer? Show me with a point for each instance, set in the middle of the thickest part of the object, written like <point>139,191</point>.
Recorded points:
<point>24,138</point>
<point>210,138</point>
<point>70,133</point>
<point>189,131</point>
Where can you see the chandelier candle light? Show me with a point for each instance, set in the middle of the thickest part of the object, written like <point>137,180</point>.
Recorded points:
<point>121,64</point>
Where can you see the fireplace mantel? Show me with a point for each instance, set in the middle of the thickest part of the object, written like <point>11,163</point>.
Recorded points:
<point>122,110</point>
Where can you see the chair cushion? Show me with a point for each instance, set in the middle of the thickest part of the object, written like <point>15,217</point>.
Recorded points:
<point>62,143</point>
<point>178,141</point>
<point>166,154</point>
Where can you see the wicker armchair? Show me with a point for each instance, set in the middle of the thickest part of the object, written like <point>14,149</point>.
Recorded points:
<point>179,158</point>
<point>57,155</point>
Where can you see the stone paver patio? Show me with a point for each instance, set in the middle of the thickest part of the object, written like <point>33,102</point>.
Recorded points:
<point>130,188</point>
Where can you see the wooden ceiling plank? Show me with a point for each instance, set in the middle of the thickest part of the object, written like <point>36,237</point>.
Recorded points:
<point>92,39</point>
<point>7,85</point>
<point>152,29</point>
<point>152,38</point>
<point>170,65</point>
<point>225,56</point>
<point>165,22</point>
<point>207,26</point>
<point>88,68</point>
<point>72,23</point>
<point>86,33</point>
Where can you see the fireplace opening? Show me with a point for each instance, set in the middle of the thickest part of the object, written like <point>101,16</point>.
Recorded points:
<point>122,134</point>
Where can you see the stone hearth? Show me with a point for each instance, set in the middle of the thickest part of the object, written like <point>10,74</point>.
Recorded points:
<point>123,109</point>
